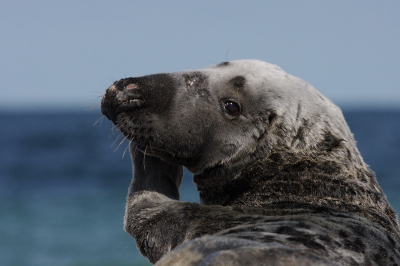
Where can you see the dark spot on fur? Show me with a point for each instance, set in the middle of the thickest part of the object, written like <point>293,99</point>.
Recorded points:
<point>268,238</point>
<point>391,240</point>
<point>314,245</point>
<point>298,111</point>
<point>357,245</point>
<point>358,231</point>
<point>296,239</point>
<point>330,142</point>
<point>343,234</point>
<point>381,256</point>
<point>271,118</point>
<point>307,241</point>
<point>327,239</point>
<point>303,225</point>
<point>276,157</point>
<point>223,64</point>
<point>323,209</point>
<point>378,258</point>
<point>287,230</point>
<point>302,166</point>
<point>245,219</point>
<point>238,82</point>
<point>301,132</point>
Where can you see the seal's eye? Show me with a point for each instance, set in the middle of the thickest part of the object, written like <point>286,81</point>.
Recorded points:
<point>232,108</point>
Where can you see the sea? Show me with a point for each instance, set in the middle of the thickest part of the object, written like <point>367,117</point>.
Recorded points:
<point>64,177</point>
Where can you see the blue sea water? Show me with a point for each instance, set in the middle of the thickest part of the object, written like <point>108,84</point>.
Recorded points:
<point>63,185</point>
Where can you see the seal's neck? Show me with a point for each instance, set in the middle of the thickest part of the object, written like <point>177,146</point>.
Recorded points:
<point>282,182</point>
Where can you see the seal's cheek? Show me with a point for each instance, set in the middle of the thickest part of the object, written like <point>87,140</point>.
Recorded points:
<point>232,143</point>
<point>218,143</point>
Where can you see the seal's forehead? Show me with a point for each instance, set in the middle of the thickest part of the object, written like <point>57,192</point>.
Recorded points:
<point>269,83</point>
<point>254,70</point>
<point>249,65</point>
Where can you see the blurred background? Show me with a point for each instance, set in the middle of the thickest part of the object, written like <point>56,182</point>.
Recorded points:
<point>63,182</point>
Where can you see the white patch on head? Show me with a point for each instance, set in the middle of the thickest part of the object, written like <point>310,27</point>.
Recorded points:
<point>268,87</point>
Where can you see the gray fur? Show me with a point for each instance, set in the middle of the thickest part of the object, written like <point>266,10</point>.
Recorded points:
<point>280,184</point>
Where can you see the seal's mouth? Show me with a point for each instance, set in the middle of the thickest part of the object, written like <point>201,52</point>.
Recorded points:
<point>121,104</point>
<point>154,151</point>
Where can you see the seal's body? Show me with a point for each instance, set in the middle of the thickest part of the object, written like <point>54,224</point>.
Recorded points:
<point>281,181</point>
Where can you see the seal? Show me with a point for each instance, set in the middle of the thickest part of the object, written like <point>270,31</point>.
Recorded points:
<point>280,179</point>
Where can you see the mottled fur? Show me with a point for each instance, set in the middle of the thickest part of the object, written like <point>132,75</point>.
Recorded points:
<point>282,183</point>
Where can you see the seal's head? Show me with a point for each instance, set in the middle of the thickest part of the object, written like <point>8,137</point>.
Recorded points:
<point>224,114</point>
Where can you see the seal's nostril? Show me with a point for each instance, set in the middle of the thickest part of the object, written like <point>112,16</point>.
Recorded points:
<point>130,87</point>
<point>126,84</point>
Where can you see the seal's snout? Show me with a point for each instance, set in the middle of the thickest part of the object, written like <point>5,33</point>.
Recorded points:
<point>120,97</point>
<point>128,93</point>
<point>129,96</point>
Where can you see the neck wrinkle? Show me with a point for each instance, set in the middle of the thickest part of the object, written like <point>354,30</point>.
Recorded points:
<point>223,186</point>
<point>281,184</point>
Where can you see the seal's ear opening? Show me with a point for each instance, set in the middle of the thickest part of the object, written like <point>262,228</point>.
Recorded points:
<point>271,117</point>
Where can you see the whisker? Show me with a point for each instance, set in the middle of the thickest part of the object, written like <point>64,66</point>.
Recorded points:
<point>111,131</point>
<point>97,92</point>
<point>126,149</point>
<point>117,138</point>
<point>122,141</point>
<point>91,106</point>
<point>100,119</point>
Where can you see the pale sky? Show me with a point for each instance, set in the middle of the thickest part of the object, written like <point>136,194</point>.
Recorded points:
<point>61,54</point>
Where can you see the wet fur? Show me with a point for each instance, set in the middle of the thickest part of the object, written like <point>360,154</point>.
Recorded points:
<point>282,183</point>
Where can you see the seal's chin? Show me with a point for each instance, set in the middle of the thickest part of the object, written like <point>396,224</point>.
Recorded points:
<point>161,154</point>
<point>152,151</point>
<point>123,124</point>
